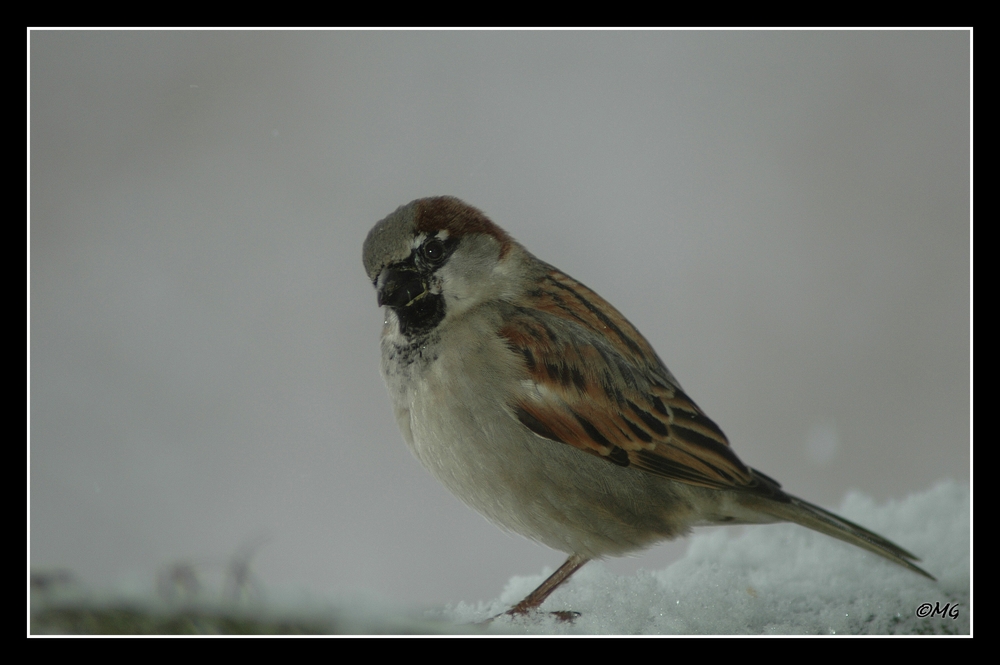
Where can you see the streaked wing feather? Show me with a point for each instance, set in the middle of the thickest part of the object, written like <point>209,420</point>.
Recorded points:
<point>593,382</point>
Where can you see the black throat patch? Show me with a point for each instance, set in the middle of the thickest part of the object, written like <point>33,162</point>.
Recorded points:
<point>421,316</point>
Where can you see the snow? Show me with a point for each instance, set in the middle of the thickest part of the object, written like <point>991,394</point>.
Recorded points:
<point>762,580</point>
<point>772,580</point>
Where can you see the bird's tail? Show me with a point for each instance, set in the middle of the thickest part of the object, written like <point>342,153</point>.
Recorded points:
<point>792,509</point>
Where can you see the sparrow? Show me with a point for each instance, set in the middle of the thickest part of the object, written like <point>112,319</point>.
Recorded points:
<point>539,405</point>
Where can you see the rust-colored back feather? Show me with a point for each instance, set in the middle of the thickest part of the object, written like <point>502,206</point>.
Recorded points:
<point>595,383</point>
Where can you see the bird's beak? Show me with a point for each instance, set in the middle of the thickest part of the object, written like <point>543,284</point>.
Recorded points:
<point>399,287</point>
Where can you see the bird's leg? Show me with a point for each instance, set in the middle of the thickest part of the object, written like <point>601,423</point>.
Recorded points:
<point>538,596</point>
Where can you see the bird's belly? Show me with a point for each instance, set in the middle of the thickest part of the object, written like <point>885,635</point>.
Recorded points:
<point>548,491</point>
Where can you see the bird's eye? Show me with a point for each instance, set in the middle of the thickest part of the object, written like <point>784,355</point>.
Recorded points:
<point>433,250</point>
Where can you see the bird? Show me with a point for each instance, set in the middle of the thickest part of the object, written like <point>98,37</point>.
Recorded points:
<point>539,405</point>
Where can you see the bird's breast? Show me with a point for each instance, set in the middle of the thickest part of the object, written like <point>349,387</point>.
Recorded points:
<point>451,396</point>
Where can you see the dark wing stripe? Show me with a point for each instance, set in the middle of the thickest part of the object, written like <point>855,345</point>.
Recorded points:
<point>565,308</point>
<point>619,456</point>
<point>638,431</point>
<point>535,425</point>
<point>709,442</point>
<point>664,466</point>
<point>601,316</point>
<point>659,406</point>
<point>625,371</point>
<point>592,431</point>
<point>651,422</point>
<point>556,373</point>
<point>612,391</point>
<point>591,381</point>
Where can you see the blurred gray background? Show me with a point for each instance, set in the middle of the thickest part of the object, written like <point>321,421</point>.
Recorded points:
<point>785,215</point>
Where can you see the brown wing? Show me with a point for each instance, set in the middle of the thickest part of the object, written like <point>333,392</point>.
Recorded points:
<point>595,383</point>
